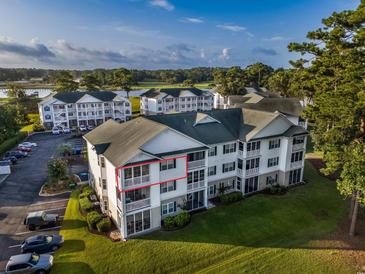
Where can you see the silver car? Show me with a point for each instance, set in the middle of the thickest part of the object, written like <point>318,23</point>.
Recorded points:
<point>30,263</point>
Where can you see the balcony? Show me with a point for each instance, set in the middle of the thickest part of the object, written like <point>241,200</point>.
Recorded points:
<point>120,205</point>
<point>136,181</point>
<point>297,164</point>
<point>239,172</point>
<point>195,185</point>
<point>196,164</point>
<point>252,171</point>
<point>253,153</point>
<point>298,147</point>
<point>138,204</point>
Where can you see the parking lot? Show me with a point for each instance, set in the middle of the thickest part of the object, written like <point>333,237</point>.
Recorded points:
<point>19,195</point>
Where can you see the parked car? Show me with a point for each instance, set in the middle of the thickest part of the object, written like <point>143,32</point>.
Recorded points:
<point>42,243</point>
<point>90,127</point>
<point>25,149</point>
<point>13,160</point>
<point>56,131</point>
<point>83,128</point>
<point>66,130</point>
<point>28,144</point>
<point>29,263</point>
<point>39,219</point>
<point>18,154</point>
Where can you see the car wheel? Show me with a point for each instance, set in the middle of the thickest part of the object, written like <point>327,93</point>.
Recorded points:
<point>54,248</point>
<point>41,271</point>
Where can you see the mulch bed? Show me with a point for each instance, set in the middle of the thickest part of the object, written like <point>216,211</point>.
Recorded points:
<point>318,163</point>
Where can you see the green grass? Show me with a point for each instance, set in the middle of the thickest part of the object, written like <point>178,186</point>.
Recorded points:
<point>261,234</point>
<point>156,84</point>
<point>135,104</point>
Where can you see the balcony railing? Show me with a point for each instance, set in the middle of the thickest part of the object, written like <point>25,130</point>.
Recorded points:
<point>138,204</point>
<point>252,153</point>
<point>296,164</point>
<point>252,171</point>
<point>196,164</point>
<point>136,181</point>
<point>195,185</point>
<point>119,205</point>
<point>298,146</point>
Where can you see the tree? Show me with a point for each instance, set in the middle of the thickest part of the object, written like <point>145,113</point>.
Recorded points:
<point>90,82</point>
<point>231,82</point>
<point>334,70</point>
<point>188,83</point>
<point>64,82</point>
<point>65,149</point>
<point>280,82</point>
<point>123,79</point>
<point>258,74</point>
<point>8,123</point>
<point>15,91</point>
<point>57,169</point>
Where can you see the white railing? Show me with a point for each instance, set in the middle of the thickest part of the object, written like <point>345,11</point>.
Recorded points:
<point>298,146</point>
<point>296,164</point>
<point>302,124</point>
<point>119,205</point>
<point>252,153</point>
<point>138,204</point>
<point>196,164</point>
<point>239,172</point>
<point>136,180</point>
<point>252,171</point>
<point>195,185</point>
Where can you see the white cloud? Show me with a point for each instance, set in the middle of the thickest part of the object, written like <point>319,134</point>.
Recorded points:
<point>225,55</point>
<point>234,28</point>
<point>192,20</point>
<point>275,38</point>
<point>135,31</point>
<point>162,4</point>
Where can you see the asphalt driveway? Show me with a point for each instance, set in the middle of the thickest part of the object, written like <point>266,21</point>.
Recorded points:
<point>19,195</point>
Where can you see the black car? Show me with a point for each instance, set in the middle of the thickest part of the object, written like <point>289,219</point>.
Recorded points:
<point>17,154</point>
<point>12,159</point>
<point>42,243</point>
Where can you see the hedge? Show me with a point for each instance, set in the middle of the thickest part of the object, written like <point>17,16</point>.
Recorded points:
<point>104,225</point>
<point>87,190</point>
<point>12,142</point>
<point>230,197</point>
<point>178,221</point>
<point>85,204</point>
<point>92,219</point>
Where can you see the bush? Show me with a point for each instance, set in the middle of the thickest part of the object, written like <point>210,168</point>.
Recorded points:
<point>182,219</point>
<point>169,222</point>
<point>231,197</point>
<point>92,219</point>
<point>12,142</point>
<point>83,195</point>
<point>277,189</point>
<point>85,204</point>
<point>87,190</point>
<point>104,225</point>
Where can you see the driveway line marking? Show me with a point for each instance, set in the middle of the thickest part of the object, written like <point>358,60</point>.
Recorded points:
<point>45,229</point>
<point>57,201</point>
<point>12,246</point>
<point>54,209</point>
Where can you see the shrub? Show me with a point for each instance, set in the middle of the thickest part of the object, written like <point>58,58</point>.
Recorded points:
<point>231,197</point>
<point>12,142</point>
<point>57,169</point>
<point>92,219</point>
<point>169,222</point>
<point>104,225</point>
<point>37,127</point>
<point>83,195</point>
<point>182,219</point>
<point>277,189</point>
<point>85,204</point>
<point>87,190</point>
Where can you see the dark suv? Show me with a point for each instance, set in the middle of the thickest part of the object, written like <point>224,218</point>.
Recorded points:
<point>42,243</point>
<point>39,219</point>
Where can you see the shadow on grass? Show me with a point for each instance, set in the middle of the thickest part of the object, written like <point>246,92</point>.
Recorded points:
<point>73,246</point>
<point>73,224</point>
<point>72,267</point>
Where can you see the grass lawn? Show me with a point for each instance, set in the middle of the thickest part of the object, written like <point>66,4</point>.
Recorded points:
<point>261,234</point>
<point>135,104</point>
<point>156,84</point>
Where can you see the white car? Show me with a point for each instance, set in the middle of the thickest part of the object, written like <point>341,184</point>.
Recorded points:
<point>56,131</point>
<point>28,144</point>
<point>90,127</point>
<point>83,128</point>
<point>66,130</point>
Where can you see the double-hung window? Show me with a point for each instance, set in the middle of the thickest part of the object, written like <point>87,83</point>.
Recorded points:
<point>212,152</point>
<point>227,167</point>
<point>274,143</point>
<point>253,146</point>
<point>212,170</point>
<point>167,164</point>
<point>168,208</point>
<point>297,156</point>
<point>272,162</point>
<point>229,148</point>
<point>252,163</point>
<point>168,186</point>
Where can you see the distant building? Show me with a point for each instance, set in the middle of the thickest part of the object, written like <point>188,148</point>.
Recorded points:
<point>72,109</point>
<point>172,100</point>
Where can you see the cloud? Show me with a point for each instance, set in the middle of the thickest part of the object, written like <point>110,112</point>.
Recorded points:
<point>192,20</point>
<point>135,31</point>
<point>226,54</point>
<point>234,28</point>
<point>33,50</point>
<point>162,4</point>
<point>265,51</point>
<point>275,38</point>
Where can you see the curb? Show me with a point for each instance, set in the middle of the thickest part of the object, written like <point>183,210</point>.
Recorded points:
<point>3,180</point>
<point>51,195</point>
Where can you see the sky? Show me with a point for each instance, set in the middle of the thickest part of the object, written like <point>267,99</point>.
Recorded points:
<point>156,34</point>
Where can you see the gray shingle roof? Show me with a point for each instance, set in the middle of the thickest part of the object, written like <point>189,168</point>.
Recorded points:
<point>174,92</point>
<point>73,97</point>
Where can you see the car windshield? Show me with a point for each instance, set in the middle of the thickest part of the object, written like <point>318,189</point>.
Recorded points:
<point>49,239</point>
<point>34,258</point>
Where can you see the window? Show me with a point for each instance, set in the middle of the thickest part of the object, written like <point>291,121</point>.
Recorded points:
<point>239,164</point>
<point>168,208</point>
<point>167,187</point>
<point>297,156</point>
<point>239,181</point>
<point>240,146</point>
<point>105,204</point>
<point>159,109</point>
<point>167,164</point>
<point>253,146</point>
<point>104,184</point>
<point>212,170</point>
<point>294,176</point>
<point>136,171</point>
<point>228,167</point>
<point>274,143</point>
<point>298,140</point>
<point>212,151</point>
<point>196,176</point>
<point>47,108</point>
<point>251,184</point>
<point>252,163</point>
<point>102,161</point>
<point>196,156</point>
<point>136,195</point>
<point>212,190</point>
<point>272,179</point>
<point>272,161</point>
<point>230,148</point>
<point>127,104</point>
<point>48,117</point>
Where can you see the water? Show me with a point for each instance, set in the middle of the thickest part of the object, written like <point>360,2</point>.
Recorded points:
<point>39,92</point>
